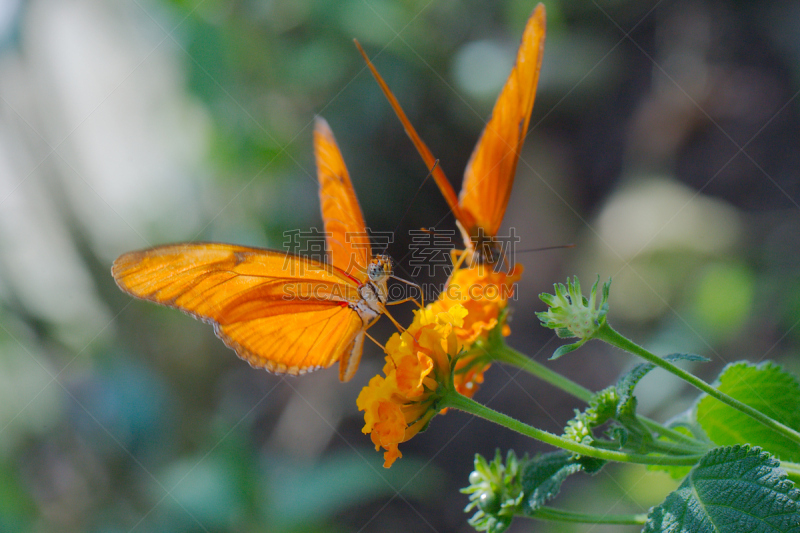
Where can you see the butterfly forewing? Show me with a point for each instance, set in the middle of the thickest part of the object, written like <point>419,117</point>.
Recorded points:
<point>436,170</point>
<point>346,236</point>
<point>279,311</point>
<point>480,206</point>
<point>490,171</point>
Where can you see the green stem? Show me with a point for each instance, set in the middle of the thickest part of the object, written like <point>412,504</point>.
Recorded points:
<point>511,356</point>
<point>609,335</point>
<point>562,515</point>
<point>672,448</point>
<point>457,401</point>
<point>677,436</point>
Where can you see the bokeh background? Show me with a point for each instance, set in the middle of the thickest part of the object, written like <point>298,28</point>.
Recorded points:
<point>664,144</point>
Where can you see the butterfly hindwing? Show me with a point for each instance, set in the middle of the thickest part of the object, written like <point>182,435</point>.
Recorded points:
<point>297,342</point>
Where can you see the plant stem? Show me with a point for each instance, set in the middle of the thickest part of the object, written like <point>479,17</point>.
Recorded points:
<point>677,436</point>
<point>511,356</point>
<point>457,401</point>
<point>672,448</point>
<point>562,515</point>
<point>609,335</point>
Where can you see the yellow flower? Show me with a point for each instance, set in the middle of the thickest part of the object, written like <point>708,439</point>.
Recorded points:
<point>484,293</point>
<point>418,363</point>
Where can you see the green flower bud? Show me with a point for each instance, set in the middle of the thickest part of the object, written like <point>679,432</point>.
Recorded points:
<point>495,492</point>
<point>573,315</point>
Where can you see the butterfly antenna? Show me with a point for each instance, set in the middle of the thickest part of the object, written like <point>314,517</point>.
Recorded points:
<point>408,208</point>
<point>431,231</point>
<point>505,253</point>
<point>558,247</point>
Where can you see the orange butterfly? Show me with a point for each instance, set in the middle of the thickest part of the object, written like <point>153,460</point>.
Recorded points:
<point>282,312</point>
<point>489,175</point>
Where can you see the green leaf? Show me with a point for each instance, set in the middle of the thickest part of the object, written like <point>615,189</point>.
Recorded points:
<point>684,425</point>
<point>687,357</point>
<point>765,387</point>
<point>628,381</point>
<point>590,465</point>
<point>626,408</point>
<point>731,490</point>
<point>567,348</point>
<point>543,476</point>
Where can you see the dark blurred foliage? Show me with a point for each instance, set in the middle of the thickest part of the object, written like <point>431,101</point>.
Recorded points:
<point>663,143</point>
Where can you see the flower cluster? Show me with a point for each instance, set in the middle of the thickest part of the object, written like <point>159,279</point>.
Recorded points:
<point>444,348</point>
<point>484,292</point>
<point>418,364</point>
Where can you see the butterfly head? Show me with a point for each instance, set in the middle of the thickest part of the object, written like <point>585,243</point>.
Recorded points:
<point>380,268</point>
<point>481,248</point>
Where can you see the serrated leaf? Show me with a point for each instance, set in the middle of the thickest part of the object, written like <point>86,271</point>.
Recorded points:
<point>626,407</point>
<point>731,490</point>
<point>567,348</point>
<point>591,465</point>
<point>765,387</point>
<point>543,476</point>
<point>687,357</point>
<point>628,381</point>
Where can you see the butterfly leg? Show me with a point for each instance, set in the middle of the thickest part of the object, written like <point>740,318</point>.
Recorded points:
<point>395,322</point>
<point>461,256</point>
<point>379,344</point>
<point>457,257</point>
<point>370,337</point>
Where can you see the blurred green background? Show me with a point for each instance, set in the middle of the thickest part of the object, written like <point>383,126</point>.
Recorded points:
<point>664,143</point>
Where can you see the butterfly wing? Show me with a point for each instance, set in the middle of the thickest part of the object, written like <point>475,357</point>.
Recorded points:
<point>438,174</point>
<point>346,235</point>
<point>278,311</point>
<point>490,171</point>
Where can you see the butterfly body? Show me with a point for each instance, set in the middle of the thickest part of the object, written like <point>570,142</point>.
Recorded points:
<point>479,246</point>
<point>286,313</point>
